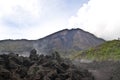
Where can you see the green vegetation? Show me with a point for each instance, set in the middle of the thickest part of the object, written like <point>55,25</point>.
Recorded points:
<point>109,50</point>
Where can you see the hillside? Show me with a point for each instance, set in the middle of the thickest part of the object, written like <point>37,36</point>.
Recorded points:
<point>64,41</point>
<point>17,46</point>
<point>109,50</point>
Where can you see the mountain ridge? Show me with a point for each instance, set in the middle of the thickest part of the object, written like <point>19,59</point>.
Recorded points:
<point>64,40</point>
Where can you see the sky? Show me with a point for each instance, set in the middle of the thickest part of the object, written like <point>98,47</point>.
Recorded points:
<point>34,19</point>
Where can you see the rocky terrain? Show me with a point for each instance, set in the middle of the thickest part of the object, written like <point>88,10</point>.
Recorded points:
<point>53,67</point>
<point>40,67</point>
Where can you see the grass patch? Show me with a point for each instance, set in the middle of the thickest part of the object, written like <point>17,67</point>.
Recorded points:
<point>109,50</point>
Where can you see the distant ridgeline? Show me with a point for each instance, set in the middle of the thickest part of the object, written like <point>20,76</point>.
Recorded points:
<point>65,41</point>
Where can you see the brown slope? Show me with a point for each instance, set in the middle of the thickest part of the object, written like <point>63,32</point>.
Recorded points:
<point>69,40</point>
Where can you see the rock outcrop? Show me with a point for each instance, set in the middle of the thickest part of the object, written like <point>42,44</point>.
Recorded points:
<point>40,67</point>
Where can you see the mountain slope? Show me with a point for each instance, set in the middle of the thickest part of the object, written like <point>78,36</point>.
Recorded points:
<point>69,40</point>
<point>105,51</point>
<point>64,41</point>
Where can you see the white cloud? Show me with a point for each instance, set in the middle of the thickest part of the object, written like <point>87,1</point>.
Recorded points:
<point>27,18</point>
<point>19,11</point>
<point>101,17</point>
<point>16,16</point>
<point>10,6</point>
